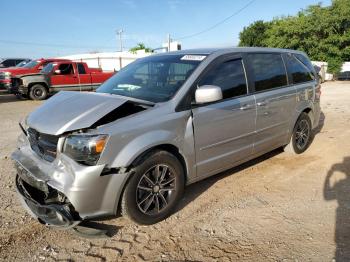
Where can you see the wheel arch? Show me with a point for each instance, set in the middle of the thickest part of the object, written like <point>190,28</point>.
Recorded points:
<point>164,147</point>
<point>310,113</point>
<point>170,148</point>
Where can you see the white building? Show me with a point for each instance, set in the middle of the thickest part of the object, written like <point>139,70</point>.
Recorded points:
<point>108,61</point>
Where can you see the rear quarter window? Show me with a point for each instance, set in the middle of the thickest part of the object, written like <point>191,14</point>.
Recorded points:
<point>298,70</point>
<point>305,61</point>
<point>268,71</point>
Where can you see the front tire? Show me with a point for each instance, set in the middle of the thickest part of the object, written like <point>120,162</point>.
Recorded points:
<point>38,92</point>
<point>301,136</point>
<point>154,189</point>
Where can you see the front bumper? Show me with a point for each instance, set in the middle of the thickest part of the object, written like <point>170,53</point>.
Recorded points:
<point>85,192</point>
<point>17,89</point>
<point>55,214</point>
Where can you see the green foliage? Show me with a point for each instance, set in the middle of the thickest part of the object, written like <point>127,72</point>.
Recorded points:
<point>322,32</point>
<point>254,35</point>
<point>140,46</point>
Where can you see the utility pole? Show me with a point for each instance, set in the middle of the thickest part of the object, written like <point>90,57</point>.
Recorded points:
<point>120,32</point>
<point>169,40</point>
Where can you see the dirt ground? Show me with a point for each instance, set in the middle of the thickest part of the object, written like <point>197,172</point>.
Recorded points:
<point>275,208</point>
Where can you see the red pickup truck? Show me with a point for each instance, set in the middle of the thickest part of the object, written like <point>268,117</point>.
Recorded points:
<point>57,76</point>
<point>34,66</point>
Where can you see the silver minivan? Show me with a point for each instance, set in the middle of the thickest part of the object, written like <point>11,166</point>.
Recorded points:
<point>161,123</point>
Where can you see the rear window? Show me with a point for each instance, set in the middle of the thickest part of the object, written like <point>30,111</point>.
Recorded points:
<point>299,71</point>
<point>268,71</point>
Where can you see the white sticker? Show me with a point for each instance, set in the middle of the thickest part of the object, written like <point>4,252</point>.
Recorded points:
<point>193,57</point>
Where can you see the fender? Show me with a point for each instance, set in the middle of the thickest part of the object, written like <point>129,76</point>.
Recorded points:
<point>29,80</point>
<point>142,143</point>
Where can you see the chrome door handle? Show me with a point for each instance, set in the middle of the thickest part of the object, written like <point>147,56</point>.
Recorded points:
<point>245,107</point>
<point>262,103</point>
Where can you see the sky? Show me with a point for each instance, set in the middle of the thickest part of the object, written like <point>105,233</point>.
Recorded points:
<point>41,28</point>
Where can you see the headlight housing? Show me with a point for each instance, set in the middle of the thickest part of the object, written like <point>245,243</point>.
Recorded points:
<point>85,149</point>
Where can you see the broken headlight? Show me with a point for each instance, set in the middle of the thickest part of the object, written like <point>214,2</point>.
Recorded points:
<point>85,149</point>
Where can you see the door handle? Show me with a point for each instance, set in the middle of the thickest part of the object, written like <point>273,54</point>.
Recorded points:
<point>245,107</point>
<point>263,103</point>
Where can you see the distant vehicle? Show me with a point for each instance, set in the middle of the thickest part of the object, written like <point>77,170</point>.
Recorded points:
<point>161,123</point>
<point>57,76</point>
<point>11,62</point>
<point>34,66</point>
<point>344,73</point>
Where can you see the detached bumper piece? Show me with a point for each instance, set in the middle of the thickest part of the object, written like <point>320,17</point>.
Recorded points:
<point>47,204</point>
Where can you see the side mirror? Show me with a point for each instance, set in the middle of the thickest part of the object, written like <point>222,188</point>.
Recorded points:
<point>57,72</point>
<point>208,93</point>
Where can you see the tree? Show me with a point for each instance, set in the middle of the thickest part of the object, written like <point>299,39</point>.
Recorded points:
<point>140,46</point>
<point>254,34</point>
<point>322,32</point>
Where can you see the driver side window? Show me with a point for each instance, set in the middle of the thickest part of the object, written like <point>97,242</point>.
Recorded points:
<point>66,69</point>
<point>229,76</point>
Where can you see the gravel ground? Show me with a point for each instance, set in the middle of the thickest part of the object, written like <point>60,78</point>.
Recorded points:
<point>275,208</point>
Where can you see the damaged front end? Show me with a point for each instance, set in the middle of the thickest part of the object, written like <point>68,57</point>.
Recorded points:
<point>44,202</point>
<point>60,179</point>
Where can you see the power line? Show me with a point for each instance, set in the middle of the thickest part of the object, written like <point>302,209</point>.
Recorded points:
<point>51,45</point>
<point>218,23</point>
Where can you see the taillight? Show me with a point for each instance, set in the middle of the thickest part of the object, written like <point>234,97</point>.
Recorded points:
<point>318,92</point>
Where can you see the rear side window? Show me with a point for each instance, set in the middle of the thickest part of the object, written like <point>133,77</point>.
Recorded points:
<point>229,76</point>
<point>300,72</point>
<point>268,71</point>
<point>81,69</point>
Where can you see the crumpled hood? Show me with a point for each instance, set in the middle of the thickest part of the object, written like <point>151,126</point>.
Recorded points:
<point>68,111</point>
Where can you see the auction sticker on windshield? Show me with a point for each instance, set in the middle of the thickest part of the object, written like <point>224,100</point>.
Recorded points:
<point>193,57</point>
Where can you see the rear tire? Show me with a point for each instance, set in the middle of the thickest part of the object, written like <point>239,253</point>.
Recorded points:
<point>38,92</point>
<point>154,189</point>
<point>301,136</point>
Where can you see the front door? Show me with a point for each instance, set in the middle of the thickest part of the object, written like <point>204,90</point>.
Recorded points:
<point>65,79</point>
<point>224,130</point>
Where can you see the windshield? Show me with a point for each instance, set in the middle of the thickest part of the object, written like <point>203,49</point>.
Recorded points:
<point>31,64</point>
<point>23,63</point>
<point>154,78</point>
<point>48,68</point>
